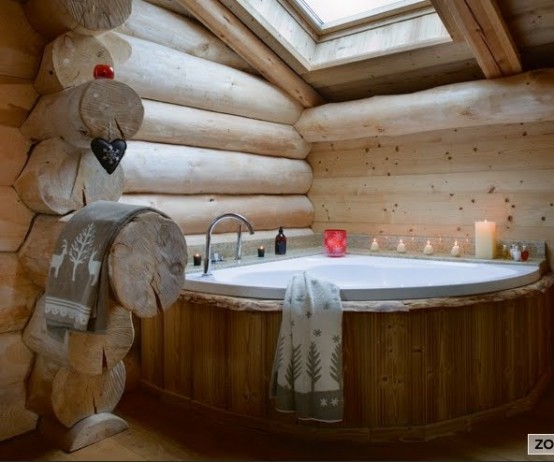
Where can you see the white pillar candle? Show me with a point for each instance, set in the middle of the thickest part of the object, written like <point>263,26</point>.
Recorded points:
<point>485,239</point>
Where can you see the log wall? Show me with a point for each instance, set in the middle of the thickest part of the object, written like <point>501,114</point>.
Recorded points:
<point>20,56</point>
<point>204,133</point>
<point>421,181</point>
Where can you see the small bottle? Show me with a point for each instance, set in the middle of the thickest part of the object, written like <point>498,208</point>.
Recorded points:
<point>280,242</point>
<point>524,253</point>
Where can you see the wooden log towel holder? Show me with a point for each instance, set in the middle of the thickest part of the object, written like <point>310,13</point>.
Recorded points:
<point>75,384</point>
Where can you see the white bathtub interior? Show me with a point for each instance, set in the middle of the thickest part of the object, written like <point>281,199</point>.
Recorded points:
<point>362,277</point>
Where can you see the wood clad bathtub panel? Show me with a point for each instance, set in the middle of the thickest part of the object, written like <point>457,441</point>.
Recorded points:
<point>394,384</point>
<point>247,387</point>
<point>209,355</point>
<point>448,363</point>
<point>417,360</point>
<point>179,328</point>
<point>360,361</point>
<point>152,350</point>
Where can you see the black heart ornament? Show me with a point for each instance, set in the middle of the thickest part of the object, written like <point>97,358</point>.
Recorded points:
<point>108,154</point>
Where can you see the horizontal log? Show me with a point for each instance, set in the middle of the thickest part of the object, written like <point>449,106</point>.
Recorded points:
<point>15,359</point>
<point>196,82</point>
<point>144,66</point>
<point>15,419</point>
<point>22,45</point>
<point>102,108</point>
<point>240,38</point>
<point>15,219</point>
<point>17,98</point>
<point>85,352</point>
<point>472,104</point>
<point>13,154</point>
<point>60,178</point>
<point>195,213</point>
<point>170,169</point>
<point>169,123</point>
<point>180,33</point>
<point>54,17</point>
<point>39,245</point>
<point>17,294</point>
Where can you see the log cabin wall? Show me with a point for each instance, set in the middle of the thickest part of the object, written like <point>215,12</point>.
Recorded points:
<point>215,138</point>
<point>20,56</point>
<point>435,179</point>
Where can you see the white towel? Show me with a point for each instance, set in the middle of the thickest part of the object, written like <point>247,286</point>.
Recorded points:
<point>307,369</point>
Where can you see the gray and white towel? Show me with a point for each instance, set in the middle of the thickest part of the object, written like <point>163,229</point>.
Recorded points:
<point>77,290</point>
<point>307,369</point>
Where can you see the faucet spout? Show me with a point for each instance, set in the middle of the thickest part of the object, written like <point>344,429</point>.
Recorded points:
<point>233,216</point>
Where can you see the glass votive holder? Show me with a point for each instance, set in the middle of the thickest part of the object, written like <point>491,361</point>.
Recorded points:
<point>335,242</point>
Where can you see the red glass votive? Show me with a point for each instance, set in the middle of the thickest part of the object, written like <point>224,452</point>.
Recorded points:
<point>335,242</point>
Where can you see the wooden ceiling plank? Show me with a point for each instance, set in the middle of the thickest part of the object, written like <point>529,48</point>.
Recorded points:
<point>225,25</point>
<point>485,30</point>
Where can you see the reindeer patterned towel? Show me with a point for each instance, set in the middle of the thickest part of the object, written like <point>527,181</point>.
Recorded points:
<point>307,369</point>
<point>77,290</point>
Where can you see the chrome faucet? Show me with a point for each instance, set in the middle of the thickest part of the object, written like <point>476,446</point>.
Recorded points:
<point>234,216</point>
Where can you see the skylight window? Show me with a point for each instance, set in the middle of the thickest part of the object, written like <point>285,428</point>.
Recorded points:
<point>334,10</point>
<point>332,15</point>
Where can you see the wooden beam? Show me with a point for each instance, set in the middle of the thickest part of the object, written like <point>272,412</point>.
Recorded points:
<point>483,27</point>
<point>236,35</point>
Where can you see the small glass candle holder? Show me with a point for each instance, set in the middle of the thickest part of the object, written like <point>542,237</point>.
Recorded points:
<point>261,251</point>
<point>335,242</point>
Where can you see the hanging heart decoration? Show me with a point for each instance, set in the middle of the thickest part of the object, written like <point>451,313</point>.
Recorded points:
<point>108,154</point>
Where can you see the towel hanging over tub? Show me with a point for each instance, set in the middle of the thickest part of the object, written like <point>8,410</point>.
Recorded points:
<point>307,368</point>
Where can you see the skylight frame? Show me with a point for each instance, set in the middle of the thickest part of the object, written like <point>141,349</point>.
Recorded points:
<point>344,25</point>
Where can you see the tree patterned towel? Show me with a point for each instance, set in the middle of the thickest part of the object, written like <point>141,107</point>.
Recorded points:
<point>77,290</point>
<point>307,369</point>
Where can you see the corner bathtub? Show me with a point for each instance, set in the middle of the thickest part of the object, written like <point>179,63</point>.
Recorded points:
<point>367,277</point>
<point>423,365</point>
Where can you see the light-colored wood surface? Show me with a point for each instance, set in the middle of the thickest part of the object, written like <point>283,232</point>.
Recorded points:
<point>60,178</point>
<point>388,186</point>
<point>456,106</point>
<point>179,32</point>
<point>13,154</point>
<point>194,213</point>
<point>17,98</point>
<point>147,262</point>
<point>181,125</point>
<point>485,30</point>
<point>54,17</point>
<point>89,353</point>
<point>222,22</point>
<point>196,82</point>
<point>169,169</point>
<point>21,44</point>
<point>15,219</point>
<point>102,108</point>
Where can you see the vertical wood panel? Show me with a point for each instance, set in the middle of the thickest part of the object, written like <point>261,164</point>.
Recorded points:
<point>247,390</point>
<point>209,355</point>
<point>178,334</point>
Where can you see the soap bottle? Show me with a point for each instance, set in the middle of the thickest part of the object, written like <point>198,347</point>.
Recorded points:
<point>280,242</point>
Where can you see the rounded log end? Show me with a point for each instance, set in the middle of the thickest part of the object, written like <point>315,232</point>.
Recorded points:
<point>111,110</point>
<point>147,264</point>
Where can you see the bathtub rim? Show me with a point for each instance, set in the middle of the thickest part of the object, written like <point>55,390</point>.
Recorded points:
<point>234,303</point>
<point>378,294</point>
